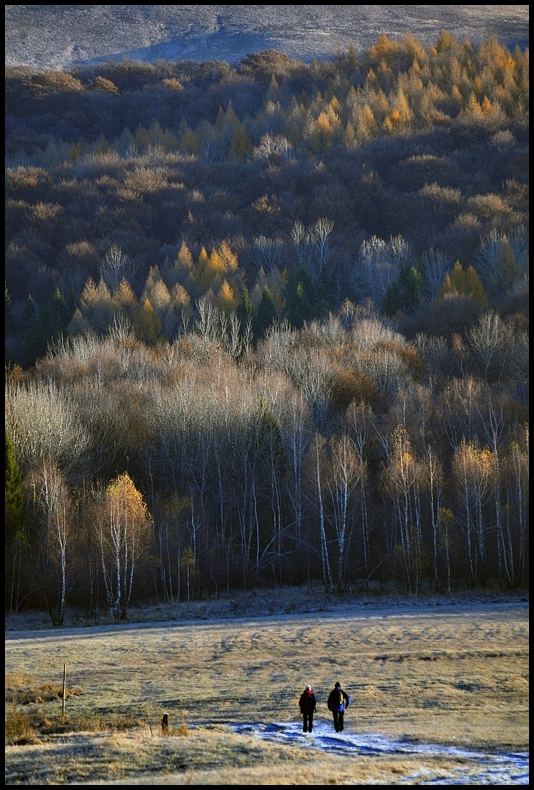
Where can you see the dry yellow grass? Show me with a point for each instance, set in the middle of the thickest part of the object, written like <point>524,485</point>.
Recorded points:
<point>447,674</point>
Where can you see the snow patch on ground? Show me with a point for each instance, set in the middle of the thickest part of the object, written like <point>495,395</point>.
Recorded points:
<point>507,768</point>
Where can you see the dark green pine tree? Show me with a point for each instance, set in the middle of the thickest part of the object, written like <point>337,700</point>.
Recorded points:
<point>300,298</point>
<point>56,315</point>
<point>14,503</point>
<point>244,310</point>
<point>265,315</point>
<point>412,288</point>
<point>48,323</point>
<point>26,355</point>
<point>269,437</point>
<point>324,301</point>
<point>405,294</point>
<point>392,300</point>
<point>8,319</point>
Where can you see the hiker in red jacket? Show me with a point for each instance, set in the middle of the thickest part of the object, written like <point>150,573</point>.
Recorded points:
<point>338,701</point>
<point>307,703</point>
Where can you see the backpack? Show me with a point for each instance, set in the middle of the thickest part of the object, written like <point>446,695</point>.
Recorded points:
<point>341,698</point>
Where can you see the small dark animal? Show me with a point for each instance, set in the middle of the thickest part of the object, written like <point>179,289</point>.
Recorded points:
<point>165,722</point>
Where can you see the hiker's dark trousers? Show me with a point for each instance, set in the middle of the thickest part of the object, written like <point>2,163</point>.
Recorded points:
<point>338,720</point>
<point>308,722</point>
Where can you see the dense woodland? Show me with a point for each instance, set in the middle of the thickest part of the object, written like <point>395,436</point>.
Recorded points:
<point>267,323</point>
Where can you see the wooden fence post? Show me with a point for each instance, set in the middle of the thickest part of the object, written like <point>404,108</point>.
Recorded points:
<point>64,690</point>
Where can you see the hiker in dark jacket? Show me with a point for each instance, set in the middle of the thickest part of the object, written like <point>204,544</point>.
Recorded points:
<point>337,703</point>
<point>307,703</point>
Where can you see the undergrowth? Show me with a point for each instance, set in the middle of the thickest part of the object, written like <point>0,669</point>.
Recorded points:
<point>24,727</point>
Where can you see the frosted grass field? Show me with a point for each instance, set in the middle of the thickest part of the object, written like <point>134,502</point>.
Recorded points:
<point>440,696</point>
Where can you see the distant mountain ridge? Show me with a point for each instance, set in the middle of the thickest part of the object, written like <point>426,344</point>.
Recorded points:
<point>47,37</point>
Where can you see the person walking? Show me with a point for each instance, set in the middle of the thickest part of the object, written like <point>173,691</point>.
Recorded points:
<point>307,704</point>
<point>338,702</point>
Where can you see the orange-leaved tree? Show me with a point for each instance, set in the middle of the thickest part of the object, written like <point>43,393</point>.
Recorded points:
<point>123,534</point>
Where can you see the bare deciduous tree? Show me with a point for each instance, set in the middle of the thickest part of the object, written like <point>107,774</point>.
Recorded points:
<point>403,478</point>
<point>436,266</point>
<point>267,253</point>
<point>346,474</point>
<point>116,266</point>
<point>273,145</point>
<point>319,460</point>
<point>490,341</point>
<point>43,422</point>
<point>378,266</point>
<point>517,479</point>
<point>52,502</point>
<point>472,469</point>
<point>433,471</point>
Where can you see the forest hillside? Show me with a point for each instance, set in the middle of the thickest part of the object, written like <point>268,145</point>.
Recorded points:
<point>267,323</point>
<point>61,36</point>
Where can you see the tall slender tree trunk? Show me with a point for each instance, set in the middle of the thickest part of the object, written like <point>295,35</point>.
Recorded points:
<point>325,560</point>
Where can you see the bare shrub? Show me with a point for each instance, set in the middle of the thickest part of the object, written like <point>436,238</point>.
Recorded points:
<point>18,727</point>
<point>182,729</point>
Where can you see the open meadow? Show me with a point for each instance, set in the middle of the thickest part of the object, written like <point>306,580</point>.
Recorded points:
<point>439,690</point>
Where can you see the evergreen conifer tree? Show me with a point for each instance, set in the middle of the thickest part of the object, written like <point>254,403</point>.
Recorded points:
<point>147,325</point>
<point>8,322</point>
<point>265,315</point>
<point>14,502</point>
<point>464,283</point>
<point>405,294</point>
<point>299,297</point>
